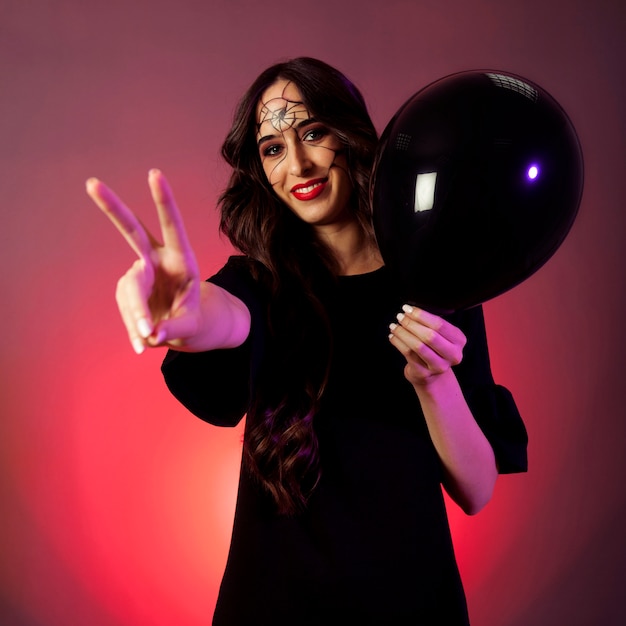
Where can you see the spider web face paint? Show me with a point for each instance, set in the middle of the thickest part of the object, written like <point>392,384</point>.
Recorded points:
<point>281,113</point>
<point>283,120</point>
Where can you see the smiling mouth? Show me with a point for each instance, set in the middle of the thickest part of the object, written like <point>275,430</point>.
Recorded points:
<point>310,189</point>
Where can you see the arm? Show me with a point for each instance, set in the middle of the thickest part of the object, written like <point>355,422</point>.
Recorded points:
<point>161,298</point>
<point>431,347</point>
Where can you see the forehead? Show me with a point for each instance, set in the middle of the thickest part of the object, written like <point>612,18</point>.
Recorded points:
<point>280,107</point>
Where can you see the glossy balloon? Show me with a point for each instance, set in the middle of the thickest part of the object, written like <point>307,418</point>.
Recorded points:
<point>476,183</point>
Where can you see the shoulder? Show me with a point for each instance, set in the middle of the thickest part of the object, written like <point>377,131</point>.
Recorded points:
<point>237,267</point>
<point>240,276</point>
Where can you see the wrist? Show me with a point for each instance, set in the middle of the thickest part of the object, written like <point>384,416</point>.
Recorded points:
<point>437,385</point>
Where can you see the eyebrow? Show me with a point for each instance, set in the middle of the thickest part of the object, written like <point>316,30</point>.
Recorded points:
<point>298,126</point>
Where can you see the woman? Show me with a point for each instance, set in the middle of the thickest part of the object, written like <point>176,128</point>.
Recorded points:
<point>359,407</point>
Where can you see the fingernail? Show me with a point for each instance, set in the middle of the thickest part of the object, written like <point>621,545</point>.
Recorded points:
<point>400,316</point>
<point>392,326</point>
<point>407,308</point>
<point>154,171</point>
<point>144,328</point>
<point>138,345</point>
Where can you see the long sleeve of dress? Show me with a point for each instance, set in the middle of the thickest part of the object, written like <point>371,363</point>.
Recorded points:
<point>215,385</point>
<point>491,404</point>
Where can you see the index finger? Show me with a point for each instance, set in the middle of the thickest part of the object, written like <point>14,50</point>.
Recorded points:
<point>123,218</point>
<point>438,324</point>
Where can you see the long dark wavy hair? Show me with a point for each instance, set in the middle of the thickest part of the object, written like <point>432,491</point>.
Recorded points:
<point>296,269</point>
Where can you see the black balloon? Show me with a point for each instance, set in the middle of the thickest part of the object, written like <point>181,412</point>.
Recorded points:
<point>476,183</point>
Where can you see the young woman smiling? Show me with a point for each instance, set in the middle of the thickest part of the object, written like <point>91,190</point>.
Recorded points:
<point>358,407</point>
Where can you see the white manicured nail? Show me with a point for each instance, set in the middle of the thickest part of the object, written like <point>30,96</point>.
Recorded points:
<point>138,345</point>
<point>143,328</point>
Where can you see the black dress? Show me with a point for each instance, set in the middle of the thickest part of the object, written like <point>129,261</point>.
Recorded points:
<point>373,546</point>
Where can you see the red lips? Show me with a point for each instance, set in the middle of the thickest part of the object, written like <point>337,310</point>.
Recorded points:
<point>309,190</point>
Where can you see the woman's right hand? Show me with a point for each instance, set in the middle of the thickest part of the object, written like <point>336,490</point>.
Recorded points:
<point>159,296</point>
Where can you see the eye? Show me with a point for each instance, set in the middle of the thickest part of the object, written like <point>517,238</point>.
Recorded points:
<point>272,150</point>
<point>315,134</point>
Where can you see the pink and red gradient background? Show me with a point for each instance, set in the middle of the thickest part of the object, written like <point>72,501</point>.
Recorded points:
<point>116,504</point>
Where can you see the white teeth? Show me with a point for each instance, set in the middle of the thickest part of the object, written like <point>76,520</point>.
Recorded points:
<point>310,188</point>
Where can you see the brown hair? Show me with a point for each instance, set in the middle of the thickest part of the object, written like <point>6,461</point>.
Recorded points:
<point>280,446</point>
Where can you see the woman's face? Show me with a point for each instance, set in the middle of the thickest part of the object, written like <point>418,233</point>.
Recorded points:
<point>302,159</point>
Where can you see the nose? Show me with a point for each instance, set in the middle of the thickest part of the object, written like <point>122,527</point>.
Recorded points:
<point>298,159</point>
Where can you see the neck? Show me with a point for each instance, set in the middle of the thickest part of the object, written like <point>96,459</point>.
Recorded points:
<point>354,252</point>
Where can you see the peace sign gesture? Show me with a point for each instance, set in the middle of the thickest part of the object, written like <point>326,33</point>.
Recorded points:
<point>159,297</point>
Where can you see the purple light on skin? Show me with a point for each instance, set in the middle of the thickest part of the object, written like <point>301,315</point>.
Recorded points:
<point>533,172</point>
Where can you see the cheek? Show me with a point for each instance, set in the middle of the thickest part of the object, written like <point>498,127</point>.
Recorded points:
<point>345,186</point>
<point>341,163</point>
<point>272,171</point>
<point>323,156</point>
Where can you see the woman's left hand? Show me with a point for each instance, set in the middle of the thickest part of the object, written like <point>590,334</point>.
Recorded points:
<point>430,344</point>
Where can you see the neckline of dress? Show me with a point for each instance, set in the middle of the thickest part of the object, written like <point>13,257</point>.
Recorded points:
<point>363,275</point>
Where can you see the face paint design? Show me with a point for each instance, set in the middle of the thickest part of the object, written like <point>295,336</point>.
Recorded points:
<point>285,123</point>
<point>281,113</point>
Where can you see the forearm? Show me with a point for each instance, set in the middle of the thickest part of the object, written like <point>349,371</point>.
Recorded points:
<point>222,321</point>
<point>467,457</point>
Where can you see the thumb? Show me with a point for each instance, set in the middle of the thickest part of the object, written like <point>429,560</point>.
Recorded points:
<point>174,331</point>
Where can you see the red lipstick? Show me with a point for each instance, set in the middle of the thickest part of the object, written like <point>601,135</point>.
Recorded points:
<point>309,190</point>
